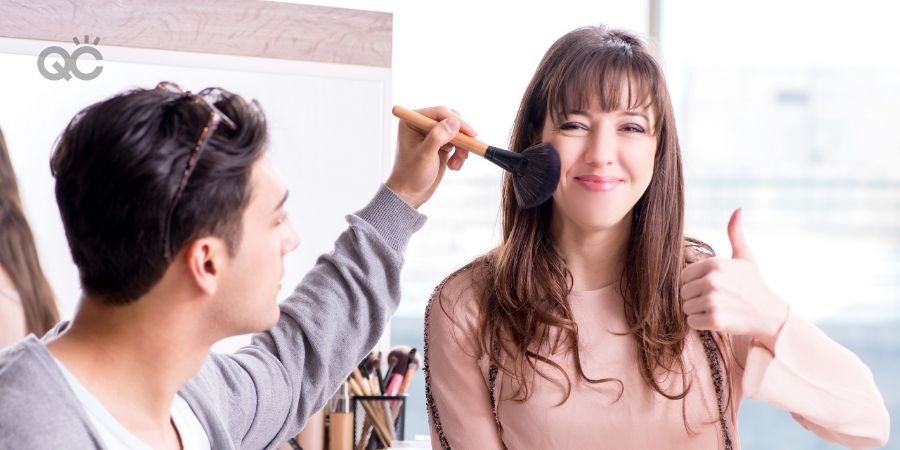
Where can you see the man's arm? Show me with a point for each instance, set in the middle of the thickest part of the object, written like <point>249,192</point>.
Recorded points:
<point>267,390</point>
<point>335,316</point>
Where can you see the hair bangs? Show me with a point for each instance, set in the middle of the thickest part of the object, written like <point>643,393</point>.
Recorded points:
<point>613,78</point>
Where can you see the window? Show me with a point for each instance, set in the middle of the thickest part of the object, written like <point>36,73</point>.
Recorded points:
<point>788,109</point>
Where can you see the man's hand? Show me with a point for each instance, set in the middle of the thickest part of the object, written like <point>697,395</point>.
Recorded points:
<point>424,155</point>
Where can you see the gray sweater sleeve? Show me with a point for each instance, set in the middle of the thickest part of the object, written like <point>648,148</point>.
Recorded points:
<point>267,390</point>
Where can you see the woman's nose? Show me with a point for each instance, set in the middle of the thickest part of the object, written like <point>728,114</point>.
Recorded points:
<point>601,149</point>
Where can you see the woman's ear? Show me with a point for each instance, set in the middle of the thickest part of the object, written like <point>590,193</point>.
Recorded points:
<point>205,259</point>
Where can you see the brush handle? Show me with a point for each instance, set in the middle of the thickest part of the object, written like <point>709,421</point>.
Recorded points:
<point>410,371</point>
<point>461,140</point>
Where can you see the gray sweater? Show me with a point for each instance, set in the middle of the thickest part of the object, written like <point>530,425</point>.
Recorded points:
<point>262,395</point>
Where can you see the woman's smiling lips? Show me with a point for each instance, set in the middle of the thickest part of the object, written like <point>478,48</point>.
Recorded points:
<point>596,183</point>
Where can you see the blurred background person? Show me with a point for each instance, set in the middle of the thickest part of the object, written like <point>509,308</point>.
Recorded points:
<point>27,304</point>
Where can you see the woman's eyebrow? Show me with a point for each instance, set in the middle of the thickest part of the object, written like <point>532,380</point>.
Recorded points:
<point>629,112</point>
<point>636,113</point>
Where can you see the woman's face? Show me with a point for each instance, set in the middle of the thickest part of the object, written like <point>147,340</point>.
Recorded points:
<point>606,164</point>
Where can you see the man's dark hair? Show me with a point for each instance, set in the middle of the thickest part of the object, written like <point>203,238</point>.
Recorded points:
<point>117,166</point>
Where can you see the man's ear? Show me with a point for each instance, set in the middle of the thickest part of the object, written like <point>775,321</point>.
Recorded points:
<point>205,258</point>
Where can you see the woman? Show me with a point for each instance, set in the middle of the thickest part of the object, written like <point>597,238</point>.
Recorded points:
<point>26,300</point>
<point>8,186</point>
<point>596,323</point>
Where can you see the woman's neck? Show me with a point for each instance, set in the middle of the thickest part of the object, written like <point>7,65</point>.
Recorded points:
<point>595,257</point>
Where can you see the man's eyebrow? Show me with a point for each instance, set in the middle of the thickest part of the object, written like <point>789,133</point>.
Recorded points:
<point>283,199</point>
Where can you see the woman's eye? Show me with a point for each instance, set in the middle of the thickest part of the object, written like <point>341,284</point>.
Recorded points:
<point>632,128</point>
<point>573,127</point>
<point>282,218</point>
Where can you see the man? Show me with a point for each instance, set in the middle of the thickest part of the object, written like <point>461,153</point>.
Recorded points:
<point>174,216</point>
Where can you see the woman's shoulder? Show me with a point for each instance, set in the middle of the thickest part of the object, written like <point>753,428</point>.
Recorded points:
<point>466,282</point>
<point>696,250</point>
<point>12,315</point>
<point>460,295</point>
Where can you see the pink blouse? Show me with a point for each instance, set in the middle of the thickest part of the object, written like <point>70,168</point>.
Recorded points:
<point>824,386</point>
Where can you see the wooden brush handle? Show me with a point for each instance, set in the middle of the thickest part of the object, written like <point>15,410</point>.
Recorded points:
<point>380,422</point>
<point>424,123</point>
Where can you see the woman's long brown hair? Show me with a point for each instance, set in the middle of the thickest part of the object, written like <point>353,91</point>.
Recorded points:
<point>9,187</point>
<point>18,254</point>
<point>525,279</point>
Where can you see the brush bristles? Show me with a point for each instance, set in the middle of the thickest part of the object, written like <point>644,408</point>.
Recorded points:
<point>541,176</point>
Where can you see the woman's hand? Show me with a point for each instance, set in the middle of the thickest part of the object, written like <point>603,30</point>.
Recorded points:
<point>730,295</point>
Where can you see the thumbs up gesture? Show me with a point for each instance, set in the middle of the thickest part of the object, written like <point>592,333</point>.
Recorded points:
<point>729,294</point>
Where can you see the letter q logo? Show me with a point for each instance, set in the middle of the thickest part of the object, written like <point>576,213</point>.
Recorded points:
<point>70,62</point>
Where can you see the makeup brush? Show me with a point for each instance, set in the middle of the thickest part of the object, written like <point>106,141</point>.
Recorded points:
<point>535,171</point>
<point>381,424</point>
<point>396,359</point>
<point>413,363</point>
<point>372,365</point>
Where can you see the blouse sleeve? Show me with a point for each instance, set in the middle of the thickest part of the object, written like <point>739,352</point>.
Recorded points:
<point>459,405</point>
<point>825,387</point>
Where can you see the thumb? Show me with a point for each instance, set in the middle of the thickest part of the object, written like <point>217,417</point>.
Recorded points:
<point>440,135</point>
<point>739,247</point>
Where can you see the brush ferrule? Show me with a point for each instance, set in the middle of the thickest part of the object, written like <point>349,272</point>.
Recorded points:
<point>509,161</point>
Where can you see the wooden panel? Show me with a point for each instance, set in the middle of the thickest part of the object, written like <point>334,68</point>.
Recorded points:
<point>232,27</point>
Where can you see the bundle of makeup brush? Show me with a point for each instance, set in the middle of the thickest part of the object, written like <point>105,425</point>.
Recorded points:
<point>382,394</point>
